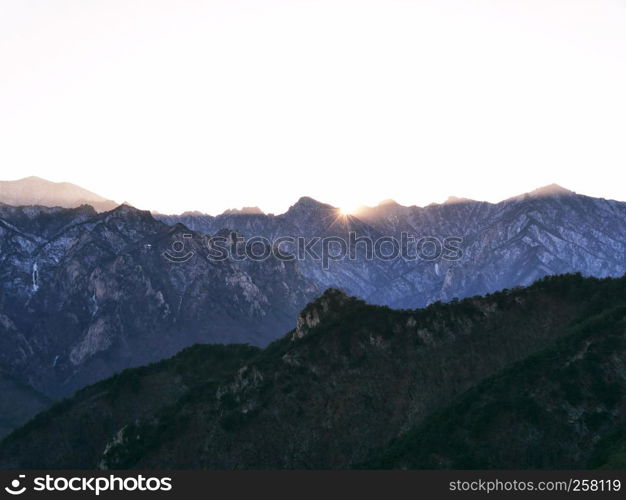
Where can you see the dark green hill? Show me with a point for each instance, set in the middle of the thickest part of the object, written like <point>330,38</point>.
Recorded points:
<point>19,403</point>
<point>357,384</point>
<point>562,408</point>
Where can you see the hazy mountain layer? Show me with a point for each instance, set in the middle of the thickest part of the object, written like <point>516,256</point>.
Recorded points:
<point>37,191</point>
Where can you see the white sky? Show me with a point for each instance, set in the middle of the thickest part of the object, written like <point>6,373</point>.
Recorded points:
<point>180,104</point>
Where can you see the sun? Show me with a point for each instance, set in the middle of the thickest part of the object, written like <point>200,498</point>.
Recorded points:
<point>347,210</point>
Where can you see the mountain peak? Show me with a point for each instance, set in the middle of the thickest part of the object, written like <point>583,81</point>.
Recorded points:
<point>34,178</point>
<point>306,203</point>
<point>330,302</point>
<point>452,200</point>
<point>389,202</point>
<point>126,210</point>
<point>307,200</point>
<point>243,211</point>
<point>551,190</point>
<point>34,190</point>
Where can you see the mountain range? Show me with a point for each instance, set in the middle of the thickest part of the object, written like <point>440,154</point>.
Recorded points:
<point>85,294</point>
<point>515,242</point>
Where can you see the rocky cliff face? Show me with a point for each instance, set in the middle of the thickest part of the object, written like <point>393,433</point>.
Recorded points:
<point>548,231</point>
<point>83,295</point>
<point>355,382</point>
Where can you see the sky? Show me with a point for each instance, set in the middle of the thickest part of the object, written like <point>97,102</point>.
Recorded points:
<point>208,105</point>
